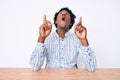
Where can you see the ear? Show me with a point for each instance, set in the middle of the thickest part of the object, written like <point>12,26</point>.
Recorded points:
<point>55,21</point>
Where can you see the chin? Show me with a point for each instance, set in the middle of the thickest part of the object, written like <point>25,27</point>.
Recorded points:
<point>63,27</point>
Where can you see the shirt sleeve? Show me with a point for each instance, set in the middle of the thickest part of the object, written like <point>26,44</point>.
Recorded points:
<point>88,58</point>
<point>38,55</point>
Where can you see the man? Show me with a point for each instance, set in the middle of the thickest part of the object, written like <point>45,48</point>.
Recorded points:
<point>61,48</point>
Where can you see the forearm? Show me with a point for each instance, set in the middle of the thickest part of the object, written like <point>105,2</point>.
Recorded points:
<point>88,58</point>
<point>37,58</point>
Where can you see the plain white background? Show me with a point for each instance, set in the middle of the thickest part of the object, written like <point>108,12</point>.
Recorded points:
<point>20,21</point>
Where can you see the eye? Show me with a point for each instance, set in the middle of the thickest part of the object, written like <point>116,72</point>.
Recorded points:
<point>60,12</point>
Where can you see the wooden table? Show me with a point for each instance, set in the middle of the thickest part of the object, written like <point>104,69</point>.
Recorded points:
<point>59,74</point>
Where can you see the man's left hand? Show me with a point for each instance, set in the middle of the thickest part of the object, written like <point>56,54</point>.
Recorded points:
<point>81,32</point>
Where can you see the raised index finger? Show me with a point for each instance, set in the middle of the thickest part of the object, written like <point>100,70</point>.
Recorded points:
<point>44,18</point>
<point>80,20</point>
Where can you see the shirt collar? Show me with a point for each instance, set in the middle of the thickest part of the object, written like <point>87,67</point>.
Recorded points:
<point>66,34</point>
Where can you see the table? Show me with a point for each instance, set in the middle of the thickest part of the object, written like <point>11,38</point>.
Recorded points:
<point>59,74</point>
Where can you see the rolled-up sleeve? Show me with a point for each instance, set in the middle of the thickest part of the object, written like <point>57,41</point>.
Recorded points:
<point>37,58</point>
<point>88,57</point>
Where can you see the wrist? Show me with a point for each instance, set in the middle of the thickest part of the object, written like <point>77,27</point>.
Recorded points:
<point>84,42</point>
<point>41,39</point>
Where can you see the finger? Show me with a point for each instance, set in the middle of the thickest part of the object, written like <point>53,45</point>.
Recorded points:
<point>49,22</point>
<point>44,18</point>
<point>45,27</point>
<point>78,27</point>
<point>42,28</point>
<point>81,29</point>
<point>48,25</point>
<point>45,24</point>
<point>77,24</point>
<point>75,28</point>
<point>80,20</point>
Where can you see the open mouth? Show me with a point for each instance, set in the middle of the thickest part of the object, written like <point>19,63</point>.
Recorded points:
<point>63,19</point>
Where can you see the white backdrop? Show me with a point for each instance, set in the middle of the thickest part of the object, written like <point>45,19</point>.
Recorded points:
<point>20,21</point>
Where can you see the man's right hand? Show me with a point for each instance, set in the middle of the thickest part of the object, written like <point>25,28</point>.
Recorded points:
<point>44,30</point>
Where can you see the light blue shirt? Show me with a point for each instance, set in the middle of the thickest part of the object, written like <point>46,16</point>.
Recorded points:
<point>62,53</point>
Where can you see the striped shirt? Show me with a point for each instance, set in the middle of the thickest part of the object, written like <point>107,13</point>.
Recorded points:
<point>62,53</point>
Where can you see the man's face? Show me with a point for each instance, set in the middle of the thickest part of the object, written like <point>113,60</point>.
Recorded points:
<point>63,19</point>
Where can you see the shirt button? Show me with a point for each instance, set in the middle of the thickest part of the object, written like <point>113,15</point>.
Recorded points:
<point>87,50</point>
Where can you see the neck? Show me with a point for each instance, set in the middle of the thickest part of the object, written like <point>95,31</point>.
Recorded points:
<point>61,32</point>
